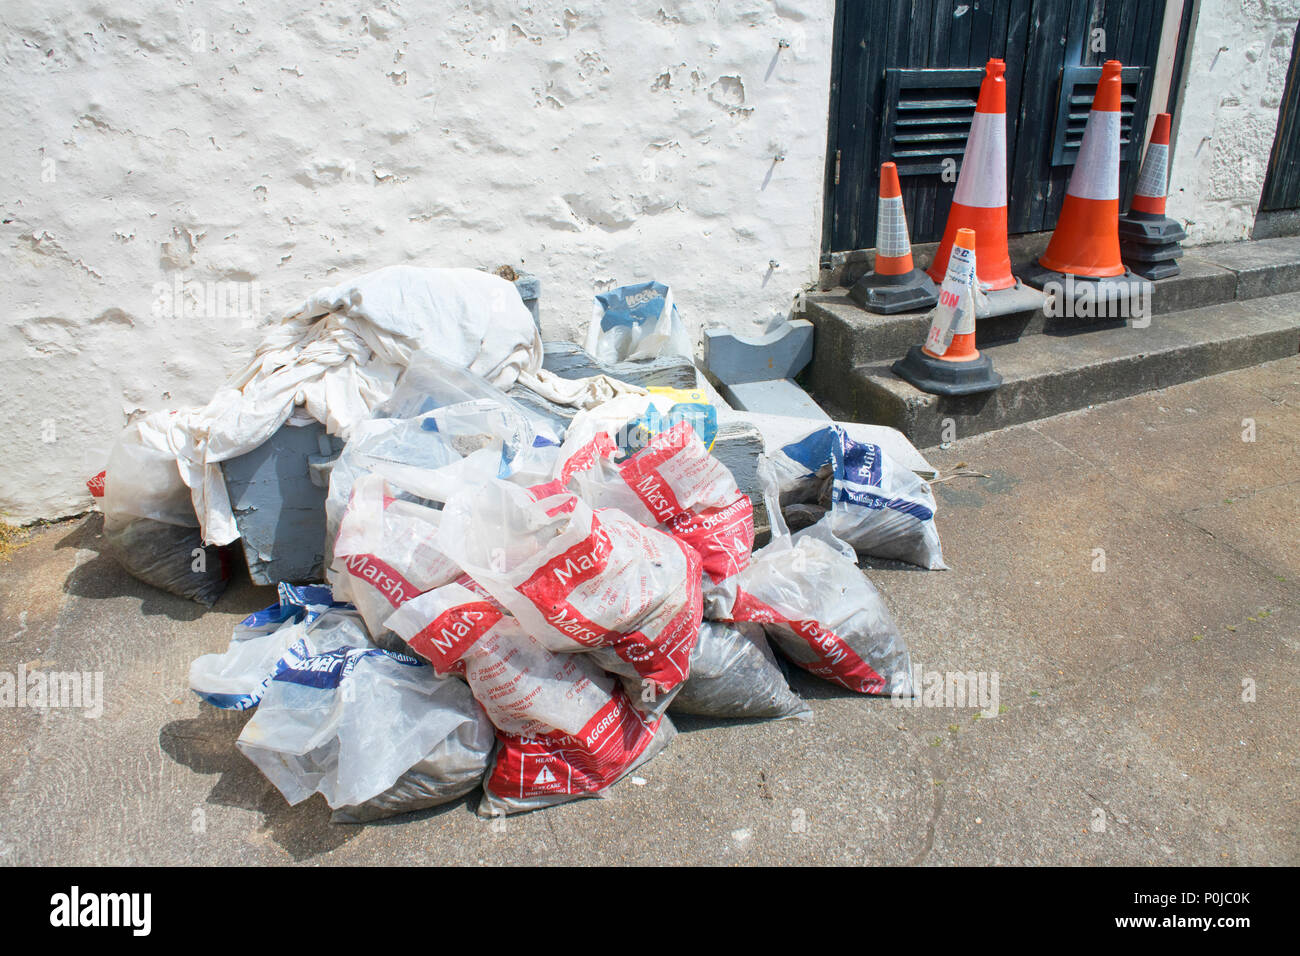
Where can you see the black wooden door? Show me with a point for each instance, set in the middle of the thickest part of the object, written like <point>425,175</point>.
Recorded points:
<point>905,79</point>
<point>1282,184</point>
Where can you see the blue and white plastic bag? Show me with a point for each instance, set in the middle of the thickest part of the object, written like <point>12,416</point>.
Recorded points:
<point>637,322</point>
<point>861,495</point>
<point>376,732</point>
<point>306,621</point>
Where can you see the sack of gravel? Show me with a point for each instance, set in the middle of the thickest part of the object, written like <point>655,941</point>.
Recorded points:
<point>735,674</point>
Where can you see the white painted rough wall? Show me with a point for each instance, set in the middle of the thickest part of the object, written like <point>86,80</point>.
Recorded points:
<point>288,146</point>
<point>1228,115</point>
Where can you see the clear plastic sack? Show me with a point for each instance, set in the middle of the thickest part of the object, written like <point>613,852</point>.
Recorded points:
<point>150,528</point>
<point>375,732</point>
<point>579,580</point>
<point>818,607</point>
<point>306,621</point>
<point>864,497</point>
<point>635,322</point>
<point>389,447</point>
<point>429,383</point>
<point>735,674</point>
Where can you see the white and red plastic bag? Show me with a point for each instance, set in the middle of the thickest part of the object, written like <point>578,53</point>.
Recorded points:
<point>578,579</point>
<point>675,484</point>
<point>818,607</point>
<point>386,553</point>
<point>566,729</point>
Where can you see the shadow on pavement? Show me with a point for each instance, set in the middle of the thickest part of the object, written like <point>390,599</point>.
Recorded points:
<point>206,745</point>
<point>102,578</point>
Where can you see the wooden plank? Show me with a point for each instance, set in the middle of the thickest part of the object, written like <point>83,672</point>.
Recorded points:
<point>860,97</point>
<point>1148,24</point>
<point>898,35</point>
<point>1043,48</point>
<point>832,131</point>
<point>1014,49</point>
<point>1180,62</point>
<point>959,36</point>
<point>984,18</point>
<point>917,50</point>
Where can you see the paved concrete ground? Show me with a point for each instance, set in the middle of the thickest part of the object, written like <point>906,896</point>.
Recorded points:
<point>1123,735</point>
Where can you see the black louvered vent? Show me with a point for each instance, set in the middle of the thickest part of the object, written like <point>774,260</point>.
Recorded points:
<point>1078,84</point>
<point>927,117</point>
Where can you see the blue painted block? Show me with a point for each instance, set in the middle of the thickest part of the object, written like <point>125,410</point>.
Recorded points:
<point>780,396</point>
<point>279,503</point>
<point>733,359</point>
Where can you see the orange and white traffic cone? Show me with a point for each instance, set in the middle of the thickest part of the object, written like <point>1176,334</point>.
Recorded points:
<point>895,284</point>
<point>949,363</point>
<point>980,203</point>
<point>1085,244</point>
<point>1148,239</point>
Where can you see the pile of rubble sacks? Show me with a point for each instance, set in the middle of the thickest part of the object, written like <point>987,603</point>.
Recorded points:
<point>511,604</point>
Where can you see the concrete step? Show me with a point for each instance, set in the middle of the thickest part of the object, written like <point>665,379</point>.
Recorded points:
<point>848,335</point>
<point>1058,371</point>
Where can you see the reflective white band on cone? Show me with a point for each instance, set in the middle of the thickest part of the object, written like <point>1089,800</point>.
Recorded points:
<point>891,229</point>
<point>1096,169</point>
<point>1154,178</point>
<point>983,179</point>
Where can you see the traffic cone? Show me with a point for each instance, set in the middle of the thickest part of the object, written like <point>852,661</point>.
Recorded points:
<point>895,285</point>
<point>1148,239</point>
<point>1085,244</point>
<point>980,203</point>
<point>948,363</point>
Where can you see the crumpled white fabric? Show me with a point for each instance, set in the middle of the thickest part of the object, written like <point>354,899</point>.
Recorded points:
<point>577,392</point>
<point>339,354</point>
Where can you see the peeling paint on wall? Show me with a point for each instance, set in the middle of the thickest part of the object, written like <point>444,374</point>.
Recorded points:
<point>1228,115</point>
<point>154,146</point>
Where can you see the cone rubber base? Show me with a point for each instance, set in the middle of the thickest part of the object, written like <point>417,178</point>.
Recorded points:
<point>947,378</point>
<point>1146,228</point>
<point>1132,252</point>
<point>1009,301</point>
<point>1163,269</point>
<point>1121,291</point>
<point>909,292</point>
